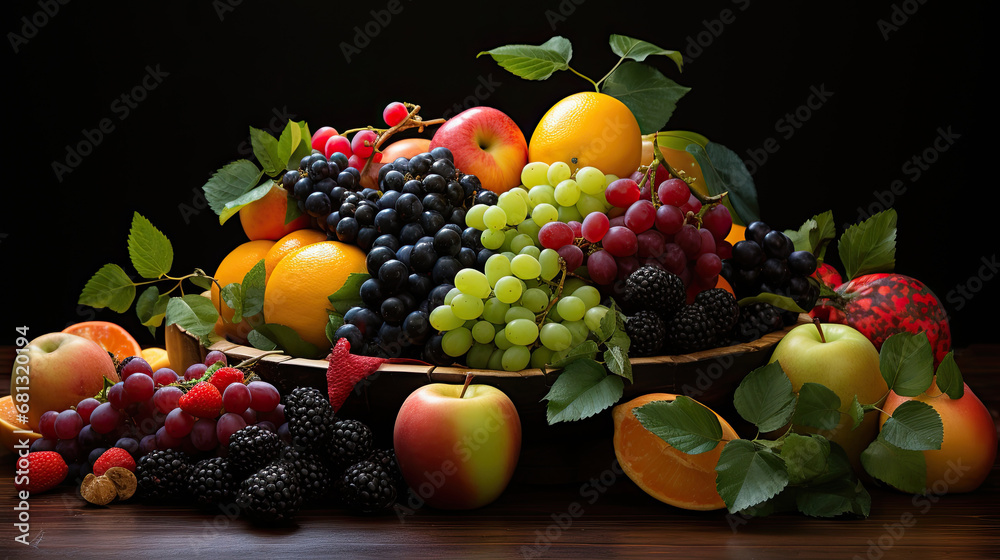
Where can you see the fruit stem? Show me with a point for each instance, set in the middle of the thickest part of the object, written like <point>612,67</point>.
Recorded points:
<point>412,120</point>
<point>596,87</point>
<point>468,379</point>
<point>816,322</point>
<point>613,68</point>
<point>250,361</point>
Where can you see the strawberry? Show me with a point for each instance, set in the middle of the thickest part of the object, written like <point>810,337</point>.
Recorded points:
<point>223,377</point>
<point>39,471</point>
<point>203,400</point>
<point>113,457</point>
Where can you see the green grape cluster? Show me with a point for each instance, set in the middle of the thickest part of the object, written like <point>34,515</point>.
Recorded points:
<point>571,196</point>
<point>522,310</point>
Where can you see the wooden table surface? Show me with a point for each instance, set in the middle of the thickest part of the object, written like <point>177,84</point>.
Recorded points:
<point>614,519</point>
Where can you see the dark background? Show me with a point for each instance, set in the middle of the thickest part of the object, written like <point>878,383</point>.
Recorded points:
<point>232,66</point>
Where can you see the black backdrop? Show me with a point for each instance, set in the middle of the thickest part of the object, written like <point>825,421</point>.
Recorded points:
<point>898,76</point>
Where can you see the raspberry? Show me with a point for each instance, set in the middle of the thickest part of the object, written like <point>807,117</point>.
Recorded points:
<point>114,457</point>
<point>203,400</point>
<point>47,469</point>
<point>223,377</point>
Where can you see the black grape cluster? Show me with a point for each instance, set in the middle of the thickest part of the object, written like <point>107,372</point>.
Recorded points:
<point>414,233</point>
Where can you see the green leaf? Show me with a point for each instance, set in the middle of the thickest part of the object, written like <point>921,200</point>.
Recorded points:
<point>533,62</point>
<point>814,234</point>
<point>818,406</point>
<point>637,50</point>
<point>335,322</point>
<point>582,390</point>
<point>234,206</point>
<point>252,289</point>
<point>724,171</point>
<point>232,296</point>
<point>765,397</point>
<point>109,287</point>
<point>349,295</point>
<point>805,457</point>
<point>609,323</point>
<point>651,96</point>
<point>261,342</point>
<point>869,246</point>
<point>837,465</point>
<point>856,412</point>
<point>292,210</point>
<point>748,474</point>
<point>915,426</point>
<point>288,340</point>
<point>231,182</point>
<point>193,313</point>
<point>300,151</point>
<point>616,359</point>
<point>151,307</point>
<point>800,237</point>
<point>781,302</point>
<point>289,140</point>
<point>901,468</point>
<point>687,425</point>
<point>844,495</point>
<point>587,349</point>
<point>267,151</point>
<point>202,280</point>
<point>150,250</point>
<point>949,377</point>
<point>906,363</point>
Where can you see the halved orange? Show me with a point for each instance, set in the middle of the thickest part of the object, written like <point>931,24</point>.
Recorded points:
<point>156,357</point>
<point>9,423</point>
<point>675,478</point>
<point>113,338</point>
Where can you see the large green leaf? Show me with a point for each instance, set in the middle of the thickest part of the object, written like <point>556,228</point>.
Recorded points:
<point>151,307</point>
<point>193,313</point>
<point>231,182</point>
<point>870,246</point>
<point>805,456</point>
<point>268,152</point>
<point>533,62</point>
<point>748,474</point>
<point>349,295</point>
<point>582,390</point>
<point>724,171</point>
<point>915,426</point>
<point>906,363</point>
<point>109,287</point>
<point>902,468</point>
<point>150,251</point>
<point>638,50</point>
<point>765,397</point>
<point>286,339</point>
<point>949,377</point>
<point>818,406</point>
<point>651,96</point>
<point>684,423</point>
<point>234,206</point>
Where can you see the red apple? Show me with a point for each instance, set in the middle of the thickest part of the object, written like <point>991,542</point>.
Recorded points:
<point>486,143</point>
<point>61,370</point>
<point>457,451</point>
<point>969,447</point>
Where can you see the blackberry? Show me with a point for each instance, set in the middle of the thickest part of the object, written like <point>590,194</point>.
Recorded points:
<point>162,474</point>
<point>386,458</point>
<point>756,320</point>
<point>721,307</point>
<point>652,288</point>
<point>252,447</point>
<point>646,331</point>
<point>366,487</point>
<point>691,330</point>
<point>211,481</point>
<point>351,442</point>
<point>271,494</point>
<point>310,419</point>
<point>314,477</point>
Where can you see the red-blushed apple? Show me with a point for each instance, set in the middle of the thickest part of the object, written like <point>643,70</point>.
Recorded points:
<point>486,143</point>
<point>455,450</point>
<point>407,147</point>
<point>61,370</point>
<point>845,361</point>
<point>969,447</point>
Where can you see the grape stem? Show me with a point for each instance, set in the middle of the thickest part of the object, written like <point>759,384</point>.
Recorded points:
<point>412,120</point>
<point>558,293</point>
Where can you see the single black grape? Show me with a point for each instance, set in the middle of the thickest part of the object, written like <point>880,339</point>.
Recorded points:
<point>365,215</point>
<point>347,229</point>
<point>347,210</point>
<point>423,257</point>
<point>377,257</point>
<point>416,327</point>
<point>482,256</point>
<point>353,335</point>
<point>802,262</point>
<point>457,217</point>
<point>346,180</point>
<point>302,188</point>
<point>332,219</point>
<point>387,221</point>
<point>433,352</point>
<point>775,272</point>
<point>403,254</point>
<point>388,199</point>
<point>413,186</point>
<point>455,193</point>
<point>756,231</point>
<point>337,195</point>
<point>437,203</point>
<point>366,237</point>
<point>467,257</point>
<point>371,293</point>
<point>748,254</point>
<point>385,169</point>
<point>390,241</point>
<point>436,297</point>
<point>488,198</point>
<point>366,320</point>
<point>393,310</point>
<point>289,179</point>
<point>419,285</point>
<point>409,207</point>
<point>317,205</point>
<point>393,181</point>
<point>340,159</point>
<point>419,166</point>
<point>441,152</point>
<point>777,245</point>
<point>444,168</point>
<point>394,275</point>
<point>472,238</point>
<point>431,221</point>
<point>410,233</point>
<point>401,164</point>
<point>445,269</point>
<point>319,170</point>
<point>326,186</point>
<point>447,242</point>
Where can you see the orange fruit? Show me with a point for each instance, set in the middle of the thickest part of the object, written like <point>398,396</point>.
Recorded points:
<point>156,357</point>
<point>675,478</point>
<point>737,234</point>
<point>724,284</point>
<point>265,218</point>
<point>232,269</point>
<point>407,148</point>
<point>113,338</point>
<point>289,243</point>
<point>296,294</point>
<point>9,423</point>
<point>588,129</point>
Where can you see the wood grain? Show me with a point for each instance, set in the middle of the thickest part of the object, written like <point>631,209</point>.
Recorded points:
<point>614,520</point>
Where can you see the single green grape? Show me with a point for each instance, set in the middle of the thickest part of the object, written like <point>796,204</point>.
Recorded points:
<point>609,178</point>
<point>523,193</point>
<point>555,336</point>
<point>508,238</point>
<point>467,307</point>
<point>525,267</point>
<point>544,213</point>
<point>569,214</point>
<point>590,179</point>
<point>492,239</point>
<point>442,318</point>
<point>515,358</point>
<point>573,284</point>
<point>496,360</point>
<point>534,300</point>
<point>535,174</point>
<point>521,241</point>
<point>514,206</point>
<point>474,217</point>
<point>483,332</point>
<point>567,193</point>
<point>571,308</point>
<point>552,316</point>
<point>540,357</point>
<point>521,331</point>
<point>578,329</point>
<point>542,194</point>
<point>508,289</point>
<point>518,312</point>
<point>479,356</point>
<point>495,311</point>
<point>456,342</point>
<point>495,217</point>
<point>588,204</point>
<point>471,281</point>
<point>530,228</point>
<point>590,295</point>
<point>451,295</point>
<point>594,316</point>
<point>500,339</point>
<point>558,172</point>
<point>531,250</point>
<point>470,323</point>
<point>548,260</point>
<point>497,266</point>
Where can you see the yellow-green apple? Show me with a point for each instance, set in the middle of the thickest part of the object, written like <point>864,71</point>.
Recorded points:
<point>845,361</point>
<point>455,450</point>
<point>60,370</point>
<point>486,143</point>
<point>969,447</point>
